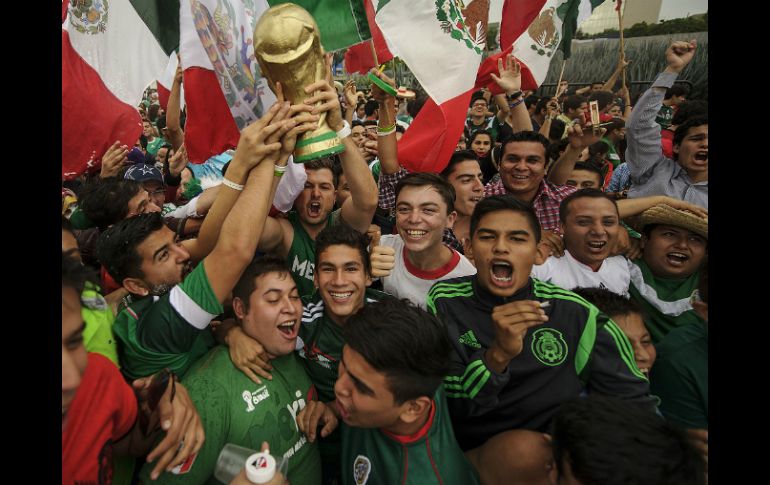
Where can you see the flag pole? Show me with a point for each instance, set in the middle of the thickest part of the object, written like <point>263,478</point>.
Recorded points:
<point>374,52</point>
<point>558,84</point>
<point>622,47</point>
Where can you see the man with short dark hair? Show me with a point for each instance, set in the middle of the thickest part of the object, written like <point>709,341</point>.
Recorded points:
<point>600,440</point>
<point>574,108</point>
<point>685,177</point>
<point>396,426</point>
<point>674,97</point>
<point>616,132</point>
<point>585,176</point>
<point>519,344</point>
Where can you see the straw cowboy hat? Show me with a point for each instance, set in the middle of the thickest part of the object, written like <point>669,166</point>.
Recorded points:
<point>665,214</point>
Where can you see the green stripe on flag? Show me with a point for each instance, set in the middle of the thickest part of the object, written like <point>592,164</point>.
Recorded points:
<point>569,12</point>
<point>162,19</point>
<point>342,22</point>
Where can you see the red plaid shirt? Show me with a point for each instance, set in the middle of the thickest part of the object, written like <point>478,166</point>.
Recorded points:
<point>546,201</point>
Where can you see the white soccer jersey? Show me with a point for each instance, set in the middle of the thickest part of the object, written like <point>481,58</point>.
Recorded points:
<point>570,273</point>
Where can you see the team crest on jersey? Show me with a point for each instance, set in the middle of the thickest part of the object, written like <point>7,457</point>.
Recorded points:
<point>361,468</point>
<point>549,347</point>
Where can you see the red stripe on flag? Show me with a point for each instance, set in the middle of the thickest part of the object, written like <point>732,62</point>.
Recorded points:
<point>383,53</point>
<point>617,7</point>
<point>92,117</point>
<point>516,18</point>
<point>432,137</point>
<point>210,128</point>
<point>163,94</point>
<point>358,58</point>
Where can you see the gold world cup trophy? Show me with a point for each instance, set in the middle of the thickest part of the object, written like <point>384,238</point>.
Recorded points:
<point>287,45</point>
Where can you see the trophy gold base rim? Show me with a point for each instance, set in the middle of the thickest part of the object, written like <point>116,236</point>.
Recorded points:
<point>306,157</point>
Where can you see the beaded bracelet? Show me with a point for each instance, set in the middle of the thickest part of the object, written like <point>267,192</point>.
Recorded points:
<point>231,184</point>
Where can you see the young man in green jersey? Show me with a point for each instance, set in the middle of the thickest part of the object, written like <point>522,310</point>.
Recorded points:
<point>388,394</point>
<point>236,410</point>
<point>168,325</point>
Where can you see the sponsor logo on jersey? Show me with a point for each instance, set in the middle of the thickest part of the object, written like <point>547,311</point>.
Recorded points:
<point>549,347</point>
<point>295,407</point>
<point>361,468</point>
<point>469,339</point>
<point>185,466</point>
<point>255,397</point>
<point>314,353</point>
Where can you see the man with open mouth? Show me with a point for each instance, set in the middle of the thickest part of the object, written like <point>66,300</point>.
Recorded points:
<point>523,347</point>
<point>233,407</point>
<point>652,173</point>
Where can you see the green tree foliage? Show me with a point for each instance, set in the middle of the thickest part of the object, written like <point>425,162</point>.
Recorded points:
<point>693,23</point>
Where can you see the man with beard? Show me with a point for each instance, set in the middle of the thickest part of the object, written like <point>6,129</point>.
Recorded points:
<point>167,325</point>
<point>294,237</point>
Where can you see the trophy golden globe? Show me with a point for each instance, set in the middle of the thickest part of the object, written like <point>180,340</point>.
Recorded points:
<point>287,45</point>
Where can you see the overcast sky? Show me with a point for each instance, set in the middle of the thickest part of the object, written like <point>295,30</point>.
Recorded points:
<point>671,9</point>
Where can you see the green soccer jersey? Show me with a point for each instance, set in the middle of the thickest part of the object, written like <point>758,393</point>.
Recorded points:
<point>301,255</point>
<point>233,409</point>
<point>664,116</point>
<point>167,331</point>
<point>372,456</point>
<point>665,301</point>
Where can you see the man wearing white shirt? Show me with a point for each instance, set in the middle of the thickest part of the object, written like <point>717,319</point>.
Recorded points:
<point>590,224</point>
<point>419,258</point>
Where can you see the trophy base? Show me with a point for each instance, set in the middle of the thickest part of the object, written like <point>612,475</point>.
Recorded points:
<point>317,147</point>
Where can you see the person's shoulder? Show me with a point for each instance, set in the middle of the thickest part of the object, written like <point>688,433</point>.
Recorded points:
<point>681,338</point>
<point>560,297</point>
<point>460,287</point>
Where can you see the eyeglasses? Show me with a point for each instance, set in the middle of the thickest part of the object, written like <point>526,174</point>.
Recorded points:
<point>158,192</point>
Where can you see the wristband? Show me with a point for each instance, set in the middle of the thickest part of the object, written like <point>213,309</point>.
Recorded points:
<point>279,170</point>
<point>345,131</point>
<point>513,96</point>
<point>231,184</point>
<point>386,133</point>
<point>388,129</point>
<point>516,103</point>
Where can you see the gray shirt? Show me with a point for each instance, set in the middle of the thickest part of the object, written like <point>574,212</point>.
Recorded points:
<point>652,173</point>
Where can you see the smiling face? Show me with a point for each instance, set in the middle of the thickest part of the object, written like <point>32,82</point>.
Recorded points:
<point>341,278</point>
<point>316,200</point>
<point>504,249</point>
<point>421,217</point>
<point>479,108</point>
<point>693,152</point>
<point>274,313</point>
<point>466,178</point>
<point>673,252</point>
<point>633,327</point>
<point>522,168</point>
<point>364,399</point>
<point>591,230</point>
<point>481,145</point>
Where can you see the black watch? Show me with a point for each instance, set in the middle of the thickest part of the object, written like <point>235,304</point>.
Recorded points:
<point>514,96</point>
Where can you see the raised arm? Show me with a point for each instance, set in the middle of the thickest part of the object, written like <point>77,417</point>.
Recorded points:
<point>510,81</point>
<point>637,205</point>
<point>642,132</point>
<point>387,150</point>
<point>173,117</point>
<point>578,140</point>
<point>622,64</point>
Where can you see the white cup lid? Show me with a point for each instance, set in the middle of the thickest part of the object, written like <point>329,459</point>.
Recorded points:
<point>260,467</point>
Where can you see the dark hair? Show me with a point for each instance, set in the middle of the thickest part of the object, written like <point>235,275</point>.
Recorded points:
<point>615,124</point>
<point>603,438</point>
<point>477,95</point>
<point>603,98</point>
<point>438,183</point>
<point>259,266</point>
<point>457,157</point>
<point>555,149</point>
<point>343,234</point>
<point>73,273</point>
<point>505,202</point>
<point>116,247</point>
<point>357,123</point>
<point>152,112</point>
<point>573,102</point>
<point>531,99</point>
<point>557,129</point>
<point>369,122</point>
<point>611,304</point>
<point>598,150</point>
<point>590,167</point>
<point>410,346</point>
<point>579,194</point>
<point>414,106</point>
<point>481,132</point>
<point>105,202</point>
<point>681,130</point>
<point>360,104</point>
<point>321,163</point>
<point>400,128</point>
<point>542,104</point>
<point>522,136</point>
<point>370,107</point>
<point>690,109</point>
<point>677,90</point>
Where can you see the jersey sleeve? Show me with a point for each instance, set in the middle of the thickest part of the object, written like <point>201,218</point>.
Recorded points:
<point>612,368</point>
<point>210,401</point>
<point>174,322</point>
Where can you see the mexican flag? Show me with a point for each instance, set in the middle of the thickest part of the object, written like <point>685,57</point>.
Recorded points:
<point>442,44</point>
<point>359,58</point>
<point>167,80</point>
<point>553,27</point>
<point>110,54</point>
<point>224,89</point>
